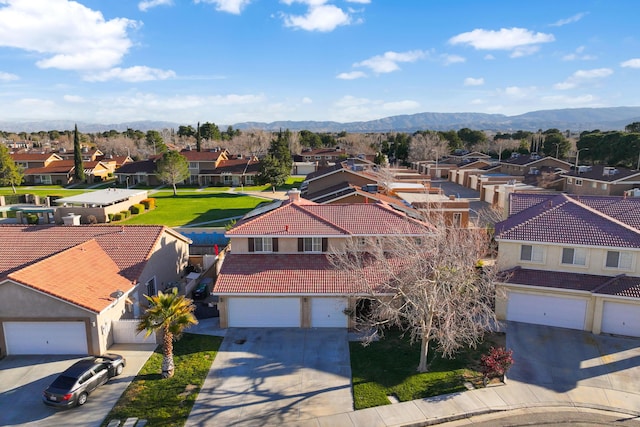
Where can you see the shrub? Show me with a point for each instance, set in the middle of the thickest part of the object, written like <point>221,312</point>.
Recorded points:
<point>149,203</point>
<point>136,209</point>
<point>91,219</point>
<point>110,216</point>
<point>497,362</point>
<point>32,218</point>
<point>125,214</point>
<point>116,217</point>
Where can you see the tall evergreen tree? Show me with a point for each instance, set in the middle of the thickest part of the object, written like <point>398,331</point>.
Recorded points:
<point>78,170</point>
<point>10,173</point>
<point>275,168</point>
<point>198,139</point>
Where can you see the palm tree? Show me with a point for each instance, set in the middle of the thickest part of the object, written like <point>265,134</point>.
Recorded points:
<point>171,313</point>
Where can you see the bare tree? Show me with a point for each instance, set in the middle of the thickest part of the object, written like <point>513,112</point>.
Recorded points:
<point>433,287</point>
<point>427,146</point>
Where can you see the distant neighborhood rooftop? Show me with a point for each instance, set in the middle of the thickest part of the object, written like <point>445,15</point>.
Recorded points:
<point>104,197</point>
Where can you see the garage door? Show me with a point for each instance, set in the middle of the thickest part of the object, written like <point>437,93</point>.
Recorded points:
<point>562,312</point>
<point>328,313</point>
<point>621,319</point>
<point>45,337</point>
<point>263,312</point>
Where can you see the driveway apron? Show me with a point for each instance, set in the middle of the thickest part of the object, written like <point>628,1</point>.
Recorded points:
<point>271,376</point>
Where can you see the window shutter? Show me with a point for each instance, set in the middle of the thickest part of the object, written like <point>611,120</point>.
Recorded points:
<point>251,245</point>
<point>325,244</point>
<point>274,244</point>
<point>300,244</point>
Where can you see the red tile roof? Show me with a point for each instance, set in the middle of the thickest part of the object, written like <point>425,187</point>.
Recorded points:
<point>619,285</point>
<point>289,274</point>
<point>305,218</point>
<point>93,276</point>
<point>128,246</point>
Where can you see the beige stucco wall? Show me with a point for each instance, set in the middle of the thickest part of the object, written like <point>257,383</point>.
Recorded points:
<point>101,213</point>
<point>509,257</point>
<point>287,245</point>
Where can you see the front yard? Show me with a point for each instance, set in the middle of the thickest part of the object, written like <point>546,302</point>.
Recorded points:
<point>388,368</point>
<point>168,402</point>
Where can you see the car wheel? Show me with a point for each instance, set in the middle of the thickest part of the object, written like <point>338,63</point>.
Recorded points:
<point>119,370</point>
<point>82,399</point>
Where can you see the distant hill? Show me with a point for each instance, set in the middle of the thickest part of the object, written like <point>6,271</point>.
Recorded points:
<point>574,119</point>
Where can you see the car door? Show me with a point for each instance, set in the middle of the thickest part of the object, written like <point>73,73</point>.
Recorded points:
<point>101,374</point>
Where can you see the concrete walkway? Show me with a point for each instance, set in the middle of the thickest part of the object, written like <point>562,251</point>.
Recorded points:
<point>554,368</point>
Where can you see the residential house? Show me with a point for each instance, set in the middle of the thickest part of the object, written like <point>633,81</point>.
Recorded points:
<point>236,171</point>
<point>571,261</point>
<point>202,165</point>
<point>531,164</point>
<point>278,273</point>
<point>88,154</point>
<point>355,174</point>
<point>142,172</point>
<point>68,290</point>
<point>34,160</point>
<point>61,172</point>
<point>599,180</point>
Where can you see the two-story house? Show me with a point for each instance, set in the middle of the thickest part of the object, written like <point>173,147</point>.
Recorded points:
<point>571,261</point>
<point>202,165</point>
<point>599,180</point>
<point>278,272</point>
<point>63,289</point>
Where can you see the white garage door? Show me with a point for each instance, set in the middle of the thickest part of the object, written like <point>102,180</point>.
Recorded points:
<point>45,337</point>
<point>561,312</point>
<point>263,312</point>
<point>621,319</point>
<point>328,313</point>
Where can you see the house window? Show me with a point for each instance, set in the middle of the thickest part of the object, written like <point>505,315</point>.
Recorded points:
<point>604,185</point>
<point>151,287</point>
<point>318,157</point>
<point>248,179</point>
<point>574,256</point>
<point>594,184</point>
<point>531,253</point>
<point>569,180</point>
<point>457,219</point>
<point>312,244</point>
<point>45,179</point>
<point>227,179</point>
<point>621,260</point>
<point>263,244</point>
<point>579,182</point>
<point>193,165</point>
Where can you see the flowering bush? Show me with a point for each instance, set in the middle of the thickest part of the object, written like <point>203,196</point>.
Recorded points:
<point>497,362</point>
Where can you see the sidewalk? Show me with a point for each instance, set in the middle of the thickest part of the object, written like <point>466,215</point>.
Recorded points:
<point>511,396</point>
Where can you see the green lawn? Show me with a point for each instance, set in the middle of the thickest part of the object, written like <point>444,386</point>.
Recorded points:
<point>193,208</point>
<point>168,402</point>
<point>292,182</point>
<point>43,191</point>
<point>388,367</point>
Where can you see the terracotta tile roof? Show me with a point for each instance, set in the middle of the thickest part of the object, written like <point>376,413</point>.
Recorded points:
<point>622,285</point>
<point>305,218</point>
<point>288,274</point>
<point>93,277</point>
<point>23,245</point>
<point>568,220</point>
<point>202,156</point>
<point>523,160</point>
<point>25,157</point>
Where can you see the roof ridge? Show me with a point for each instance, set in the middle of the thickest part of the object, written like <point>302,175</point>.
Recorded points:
<point>325,220</point>
<point>540,209</point>
<point>607,283</point>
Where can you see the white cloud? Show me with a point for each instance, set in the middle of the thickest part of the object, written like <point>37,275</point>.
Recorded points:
<point>230,6</point>
<point>75,99</point>
<point>514,39</point>
<point>631,63</point>
<point>307,100</point>
<point>489,57</point>
<point>583,76</point>
<point>578,54</point>
<point>452,59</point>
<point>66,34</point>
<point>351,75</point>
<point>521,51</point>
<point>131,74</point>
<point>388,62</point>
<point>518,92</point>
<point>148,4</point>
<point>350,108</point>
<point>470,81</point>
<point>319,17</point>
<point>7,77</point>
<point>570,20</point>
<point>359,1</point>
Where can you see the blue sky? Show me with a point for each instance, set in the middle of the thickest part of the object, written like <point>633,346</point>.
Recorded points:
<point>230,61</point>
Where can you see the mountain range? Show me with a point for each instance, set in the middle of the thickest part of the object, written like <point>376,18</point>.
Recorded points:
<point>573,119</point>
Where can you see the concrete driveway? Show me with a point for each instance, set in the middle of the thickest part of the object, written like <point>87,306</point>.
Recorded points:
<point>272,376</point>
<point>23,378</point>
<point>562,359</point>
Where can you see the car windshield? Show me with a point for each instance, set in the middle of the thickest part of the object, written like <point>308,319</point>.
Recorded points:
<point>63,382</point>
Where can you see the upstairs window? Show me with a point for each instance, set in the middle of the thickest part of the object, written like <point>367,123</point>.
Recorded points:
<point>620,260</point>
<point>312,244</point>
<point>263,244</point>
<point>531,253</point>
<point>574,256</point>
<point>579,182</point>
